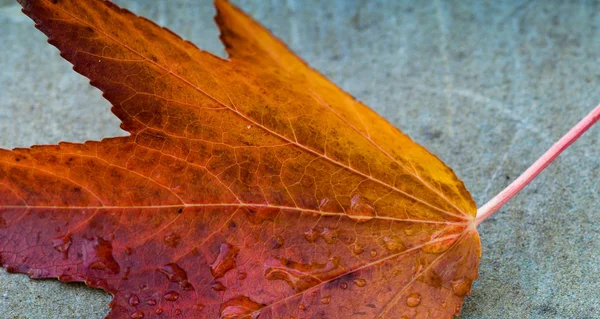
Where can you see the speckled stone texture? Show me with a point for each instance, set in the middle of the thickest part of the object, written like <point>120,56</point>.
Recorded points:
<point>485,85</point>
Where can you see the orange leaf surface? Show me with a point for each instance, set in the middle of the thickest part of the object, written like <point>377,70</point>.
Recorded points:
<point>248,188</point>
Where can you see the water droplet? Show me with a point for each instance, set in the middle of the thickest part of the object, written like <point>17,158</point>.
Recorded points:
<point>360,210</point>
<point>329,235</point>
<point>97,255</point>
<point>171,295</point>
<point>158,311</point>
<point>278,242</point>
<point>461,287</point>
<point>65,278</point>
<point>239,307</point>
<point>301,306</point>
<point>413,299</point>
<point>433,278</point>
<point>172,240</point>
<point>312,235</point>
<point>62,244</point>
<point>440,246</point>
<point>298,275</point>
<point>444,305</point>
<point>344,285</point>
<point>151,302</point>
<point>358,250</point>
<point>373,253</point>
<point>242,276</point>
<point>325,300</point>
<point>218,286</point>
<point>176,274</point>
<point>409,231</point>
<point>420,264</point>
<point>177,311</point>
<point>225,260</point>
<point>457,310</point>
<point>392,245</point>
<point>198,307</point>
<point>360,282</point>
<point>137,315</point>
<point>96,283</point>
<point>134,300</point>
<point>323,202</point>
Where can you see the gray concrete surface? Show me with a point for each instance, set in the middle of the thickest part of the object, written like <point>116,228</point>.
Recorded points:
<point>485,85</point>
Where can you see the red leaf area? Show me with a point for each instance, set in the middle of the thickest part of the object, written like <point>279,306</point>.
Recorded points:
<point>248,188</point>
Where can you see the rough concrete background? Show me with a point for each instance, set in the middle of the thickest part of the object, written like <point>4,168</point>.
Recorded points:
<point>485,85</point>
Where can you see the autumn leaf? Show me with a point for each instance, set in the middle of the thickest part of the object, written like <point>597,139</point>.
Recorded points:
<point>252,187</point>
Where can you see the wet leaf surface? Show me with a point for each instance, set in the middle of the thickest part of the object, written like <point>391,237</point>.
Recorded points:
<point>252,187</point>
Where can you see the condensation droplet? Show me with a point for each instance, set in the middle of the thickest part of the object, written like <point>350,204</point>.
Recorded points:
<point>392,245</point>
<point>158,311</point>
<point>299,276</point>
<point>175,273</point>
<point>137,315</point>
<point>151,302</point>
<point>198,307</point>
<point>360,282</point>
<point>357,250</point>
<point>301,306</point>
<point>444,305</point>
<point>62,244</point>
<point>96,283</point>
<point>409,231</point>
<point>325,300</point>
<point>461,287</point>
<point>278,242</point>
<point>329,235</point>
<point>323,202</point>
<point>177,311</point>
<point>344,285</point>
<point>225,260</point>
<point>171,295</point>
<point>242,276</point>
<point>134,300</point>
<point>439,246</point>
<point>457,310</point>
<point>373,253</point>
<point>312,235</point>
<point>360,210</point>
<point>239,307</point>
<point>413,299</point>
<point>218,286</point>
<point>97,255</point>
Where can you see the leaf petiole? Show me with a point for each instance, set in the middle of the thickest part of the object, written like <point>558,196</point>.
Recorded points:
<point>487,210</point>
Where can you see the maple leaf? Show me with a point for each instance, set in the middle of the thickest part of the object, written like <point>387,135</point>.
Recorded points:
<point>247,187</point>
